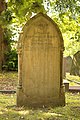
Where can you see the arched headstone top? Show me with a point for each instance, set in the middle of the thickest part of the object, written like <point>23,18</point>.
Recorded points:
<point>43,25</point>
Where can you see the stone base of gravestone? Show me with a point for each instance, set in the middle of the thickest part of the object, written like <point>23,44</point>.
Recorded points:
<point>66,84</point>
<point>32,101</point>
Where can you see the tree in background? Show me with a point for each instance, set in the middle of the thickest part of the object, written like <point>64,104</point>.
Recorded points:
<point>66,13</point>
<point>3,46</point>
<point>6,35</point>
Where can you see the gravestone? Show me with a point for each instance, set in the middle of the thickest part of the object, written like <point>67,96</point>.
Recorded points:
<point>67,63</point>
<point>40,52</point>
<point>75,68</point>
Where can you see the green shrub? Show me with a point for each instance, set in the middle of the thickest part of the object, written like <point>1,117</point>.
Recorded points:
<point>11,61</point>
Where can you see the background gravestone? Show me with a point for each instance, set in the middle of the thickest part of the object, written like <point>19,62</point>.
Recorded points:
<point>40,51</point>
<point>67,63</point>
<point>75,68</point>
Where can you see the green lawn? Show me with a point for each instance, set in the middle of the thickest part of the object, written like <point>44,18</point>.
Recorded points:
<point>9,111</point>
<point>73,78</point>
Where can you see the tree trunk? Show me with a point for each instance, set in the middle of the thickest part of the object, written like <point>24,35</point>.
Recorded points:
<point>2,45</point>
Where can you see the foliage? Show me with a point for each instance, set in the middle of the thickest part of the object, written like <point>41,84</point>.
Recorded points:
<point>21,10</point>
<point>7,38</point>
<point>66,13</point>
<point>8,109</point>
<point>67,5</point>
<point>11,60</point>
<point>70,30</point>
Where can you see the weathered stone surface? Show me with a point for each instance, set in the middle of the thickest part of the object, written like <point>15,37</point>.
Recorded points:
<point>40,51</point>
<point>67,63</point>
<point>66,83</point>
<point>75,68</point>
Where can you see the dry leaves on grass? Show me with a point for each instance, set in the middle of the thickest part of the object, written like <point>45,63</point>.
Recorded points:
<point>8,80</point>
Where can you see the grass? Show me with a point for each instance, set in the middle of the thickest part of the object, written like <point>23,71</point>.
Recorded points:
<point>73,78</point>
<point>9,111</point>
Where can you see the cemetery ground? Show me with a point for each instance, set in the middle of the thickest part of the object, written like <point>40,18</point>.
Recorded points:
<point>9,110</point>
<point>9,80</point>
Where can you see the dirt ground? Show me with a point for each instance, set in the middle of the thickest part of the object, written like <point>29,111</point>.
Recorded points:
<point>8,80</point>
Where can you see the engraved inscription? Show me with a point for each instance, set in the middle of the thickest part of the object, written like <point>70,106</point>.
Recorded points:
<point>41,27</point>
<point>39,41</point>
<point>41,37</point>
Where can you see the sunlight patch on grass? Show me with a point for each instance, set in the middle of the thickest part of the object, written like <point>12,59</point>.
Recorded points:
<point>24,112</point>
<point>72,77</point>
<point>48,114</point>
<point>1,112</point>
